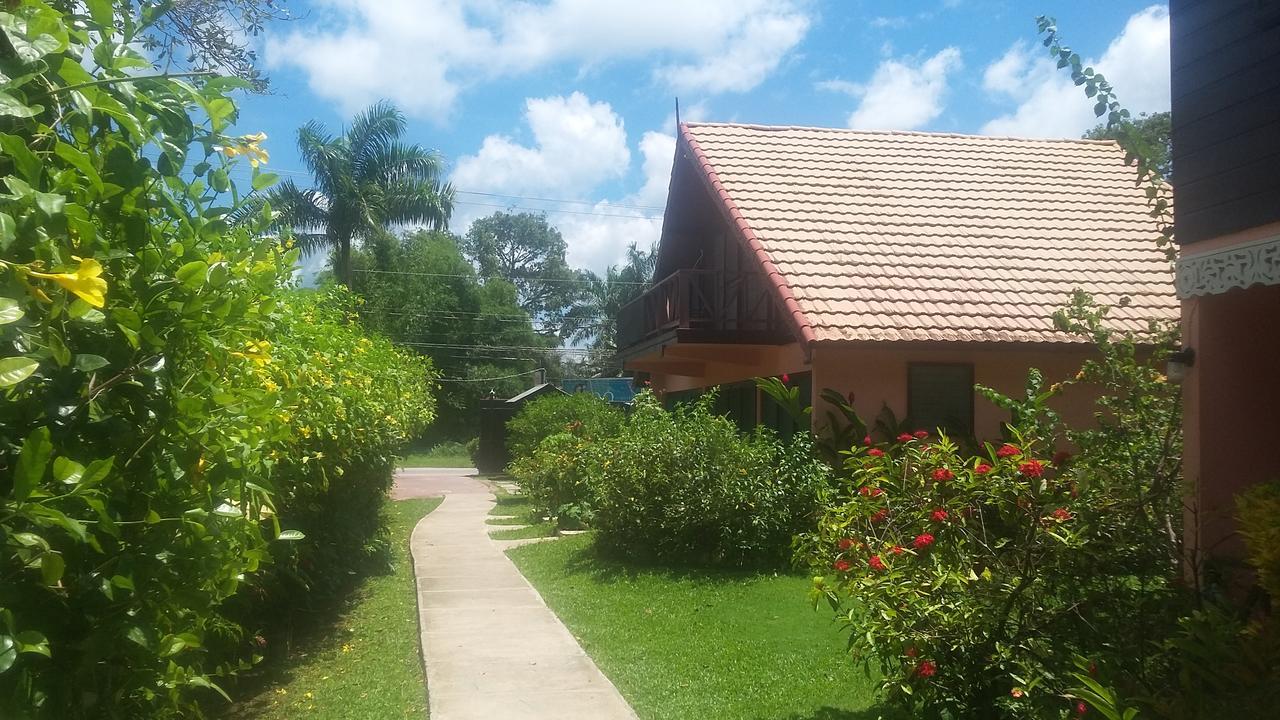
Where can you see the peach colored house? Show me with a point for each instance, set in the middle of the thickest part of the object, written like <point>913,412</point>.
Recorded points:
<point>1226,147</point>
<point>900,266</point>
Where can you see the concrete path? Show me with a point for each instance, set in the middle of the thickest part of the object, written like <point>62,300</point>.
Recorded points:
<point>492,648</point>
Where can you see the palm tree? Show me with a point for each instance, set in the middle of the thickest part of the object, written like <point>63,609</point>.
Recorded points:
<point>363,181</point>
<point>593,320</point>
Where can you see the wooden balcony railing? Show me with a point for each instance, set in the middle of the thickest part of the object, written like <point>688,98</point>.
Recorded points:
<point>724,306</point>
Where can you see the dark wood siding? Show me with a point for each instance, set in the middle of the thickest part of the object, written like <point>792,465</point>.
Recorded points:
<point>1226,115</point>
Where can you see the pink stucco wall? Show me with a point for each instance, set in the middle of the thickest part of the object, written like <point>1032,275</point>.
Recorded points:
<point>878,375</point>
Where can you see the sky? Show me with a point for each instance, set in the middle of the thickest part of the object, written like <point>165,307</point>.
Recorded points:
<point>568,106</point>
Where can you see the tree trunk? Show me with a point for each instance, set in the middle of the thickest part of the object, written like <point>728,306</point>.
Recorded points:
<point>343,269</point>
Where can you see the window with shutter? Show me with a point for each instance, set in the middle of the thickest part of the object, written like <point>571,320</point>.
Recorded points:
<point>940,395</point>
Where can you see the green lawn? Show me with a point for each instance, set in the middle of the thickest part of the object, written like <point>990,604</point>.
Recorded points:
<point>518,506</point>
<point>426,460</point>
<point>689,644</point>
<point>366,665</point>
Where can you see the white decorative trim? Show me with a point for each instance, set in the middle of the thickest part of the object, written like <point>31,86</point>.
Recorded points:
<point>1239,266</point>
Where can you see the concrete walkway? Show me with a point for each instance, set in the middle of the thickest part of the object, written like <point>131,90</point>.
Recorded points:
<point>493,650</point>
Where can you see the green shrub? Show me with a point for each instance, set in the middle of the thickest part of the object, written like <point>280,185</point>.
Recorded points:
<point>582,414</point>
<point>172,418</point>
<point>686,486</point>
<point>556,479</point>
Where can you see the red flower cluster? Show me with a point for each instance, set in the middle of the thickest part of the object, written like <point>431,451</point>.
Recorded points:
<point>785,378</point>
<point>943,475</point>
<point>846,543</point>
<point>881,515</point>
<point>867,441</point>
<point>875,452</point>
<point>926,669</point>
<point>841,565</point>
<point>904,437</point>
<point>868,491</point>
<point>1032,468</point>
<point>1081,708</point>
<point>922,541</point>
<point>939,515</point>
<point>876,563</point>
<point>895,550</point>
<point>1007,450</point>
<point>921,434</point>
<point>982,469</point>
<point>1061,514</point>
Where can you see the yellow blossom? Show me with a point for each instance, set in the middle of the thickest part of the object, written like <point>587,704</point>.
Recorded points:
<point>247,145</point>
<point>86,281</point>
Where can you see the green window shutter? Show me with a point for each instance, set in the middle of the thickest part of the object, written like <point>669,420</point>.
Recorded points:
<point>940,395</point>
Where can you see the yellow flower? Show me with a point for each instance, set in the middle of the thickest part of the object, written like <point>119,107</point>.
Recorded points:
<point>247,145</point>
<point>86,281</point>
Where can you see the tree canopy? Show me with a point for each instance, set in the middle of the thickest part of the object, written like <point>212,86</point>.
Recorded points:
<point>527,251</point>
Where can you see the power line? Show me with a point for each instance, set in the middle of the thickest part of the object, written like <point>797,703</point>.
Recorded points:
<point>486,279</point>
<point>496,348</point>
<point>559,200</point>
<point>501,377</point>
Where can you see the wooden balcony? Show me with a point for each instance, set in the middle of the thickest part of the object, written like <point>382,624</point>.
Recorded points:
<point>703,306</point>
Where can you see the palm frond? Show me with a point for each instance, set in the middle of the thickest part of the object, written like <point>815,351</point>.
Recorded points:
<point>371,133</point>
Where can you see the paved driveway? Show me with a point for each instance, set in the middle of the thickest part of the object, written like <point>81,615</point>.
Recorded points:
<point>435,482</point>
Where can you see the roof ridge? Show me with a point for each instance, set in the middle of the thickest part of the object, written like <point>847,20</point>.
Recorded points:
<point>924,133</point>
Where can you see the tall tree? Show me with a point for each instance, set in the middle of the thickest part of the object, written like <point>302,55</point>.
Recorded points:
<point>593,320</point>
<point>1150,134</point>
<point>364,180</point>
<point>527,251</point>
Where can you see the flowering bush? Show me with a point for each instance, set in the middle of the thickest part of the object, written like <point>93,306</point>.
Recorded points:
<point>556,478</point>
<point>973,582</point>
<point>173,421</point>
<point>582,414</point>
<point>687,486</point>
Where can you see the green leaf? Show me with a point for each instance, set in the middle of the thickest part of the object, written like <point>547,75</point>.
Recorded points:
<point>51,568</point>
<point>9,105</point>
<point>80,161</point>
<point>8,653</point>
<point>8,230</point>
<point>193,274</point>
<point>291,535</point>
<point>32,463</point>
<point>14,370</point>
<point>50,203</point>
<point>9,311</point>
<point>66,470</point>
<point>136,635</point>
<point>265,180</point>
<point>101,12</point>
<point>96,472</point>
<point>89,363</point>
<point>30,641</point>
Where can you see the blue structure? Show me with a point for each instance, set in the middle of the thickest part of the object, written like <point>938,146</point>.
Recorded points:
<point>615,390</point>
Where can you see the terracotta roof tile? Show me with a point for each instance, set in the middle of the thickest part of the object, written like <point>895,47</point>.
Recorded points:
<point>923,236</point>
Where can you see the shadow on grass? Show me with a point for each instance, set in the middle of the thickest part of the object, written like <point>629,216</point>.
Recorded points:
<point>604,567</point>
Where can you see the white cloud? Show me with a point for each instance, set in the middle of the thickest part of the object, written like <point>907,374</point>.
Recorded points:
<point>423,53</point>
<point>896,22</point>
<point>577,144</point>
<point>902,94</point>
<point>1051,105</point>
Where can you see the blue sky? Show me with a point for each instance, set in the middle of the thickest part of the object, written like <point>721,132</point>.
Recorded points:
<point>572,101</point>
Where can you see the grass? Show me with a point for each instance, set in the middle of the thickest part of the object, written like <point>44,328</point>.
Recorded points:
<point>424,460</point>
<point>702,644</point>
<point>518,506</point>
<point>367,664</point>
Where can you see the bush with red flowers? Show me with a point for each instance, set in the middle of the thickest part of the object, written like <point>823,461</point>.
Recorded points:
<point>973,582</point>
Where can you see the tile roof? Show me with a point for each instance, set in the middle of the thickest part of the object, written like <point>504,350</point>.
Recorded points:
<point>924,236</point>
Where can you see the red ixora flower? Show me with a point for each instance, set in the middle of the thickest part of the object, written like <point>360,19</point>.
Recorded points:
<point>1081,708</point>
<point>875,452</point>
<point>921,434</point>
<point>1007,450</point>
<point>876,563</point>
<point>982,469</point>
<point>905,437</point>
<point>939,515</point>
<point>846,543</point>
<point>926,669</point>
<point>868,491</point>
<point>867,441</point>
<point>895,550</point>
<point>881,515</point>
<point>841,565</point>
<point>1032,468</point>
<point>942,475</point>
<point>922,541</point>
<point>1061,514</point>
<point>785,378</point>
